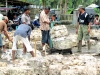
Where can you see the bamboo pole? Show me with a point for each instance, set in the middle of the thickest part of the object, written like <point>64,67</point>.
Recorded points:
<point>6,5</point>
<point>35,47</point>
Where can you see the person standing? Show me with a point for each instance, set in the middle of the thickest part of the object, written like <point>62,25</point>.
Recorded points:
<point>22,34</point>
<point>44,26</point>
<point>25,19</point>
<point>83,28</point>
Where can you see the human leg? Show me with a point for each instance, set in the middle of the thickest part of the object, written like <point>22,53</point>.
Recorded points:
<point>24,49</point>
<point>48,38</point>
<point>27,45</point>
<point>89,45</point>
<point>44,39</point>
<point>86,36</point>
<point>4,48</point>
<point>80,36</point>
<point>14,46</point>
<point>80,46</point>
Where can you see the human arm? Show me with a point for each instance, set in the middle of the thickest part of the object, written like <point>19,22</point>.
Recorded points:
<point>23,19</point>
<point>29,33</point>
<point>44,18</point>
<point>89,24</point>
<point>6,32</point>
<point>99,22</point>
<point>77,27</point>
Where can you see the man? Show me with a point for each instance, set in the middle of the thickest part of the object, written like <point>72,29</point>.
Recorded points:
<point>3,28</point>
<point>44,26</point>
<point>25,16</point>
<point>25,19</point>
<point>22,34</point>
<point>83,28</point>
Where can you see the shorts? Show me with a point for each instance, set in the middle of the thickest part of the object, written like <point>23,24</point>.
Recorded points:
<point>83,33</point>
<point>24,40</point>
<point>45,36</point>
<point>1,41</point>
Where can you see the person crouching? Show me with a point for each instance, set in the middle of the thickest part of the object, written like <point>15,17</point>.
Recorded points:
<point>22,33</point>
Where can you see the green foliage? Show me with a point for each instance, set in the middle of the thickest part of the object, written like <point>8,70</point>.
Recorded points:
<point>72,4</point>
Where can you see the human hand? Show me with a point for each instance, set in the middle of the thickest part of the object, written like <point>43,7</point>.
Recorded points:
<point>89,30</point>
<point>76,31</point>
<point>10,39</point>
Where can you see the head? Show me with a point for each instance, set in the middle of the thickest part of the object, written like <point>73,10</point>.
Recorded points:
<point>47,10</point>
<point>15,16</point>
<point>54,15</point>
<point>31,27</point>
<point>5,19</point>
<point>81,8</point>
<point>97,16</point>
<point>26,10</point>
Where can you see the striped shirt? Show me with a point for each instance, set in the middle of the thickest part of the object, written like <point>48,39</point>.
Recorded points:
<point>44,17</point>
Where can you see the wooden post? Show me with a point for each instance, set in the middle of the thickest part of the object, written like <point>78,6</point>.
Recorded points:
<point>6,6</point>
<point>35,47</point>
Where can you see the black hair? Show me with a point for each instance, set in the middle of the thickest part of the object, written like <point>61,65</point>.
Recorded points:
<point>32,27</point>
<point>96,15</point>
<point>83,9</point>
<point>47,8</point>
<point>26,9</point>
<point>54,15</point>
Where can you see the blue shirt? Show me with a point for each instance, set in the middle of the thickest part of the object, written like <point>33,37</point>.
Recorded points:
<point>23,30</point>
<point>36,23</point>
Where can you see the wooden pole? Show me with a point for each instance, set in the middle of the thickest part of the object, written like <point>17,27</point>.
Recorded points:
<point>35,48</point>
<point>6,5</point>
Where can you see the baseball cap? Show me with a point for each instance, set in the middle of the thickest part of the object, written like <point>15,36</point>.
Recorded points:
<point>80,6</point>
<point>5,18</point>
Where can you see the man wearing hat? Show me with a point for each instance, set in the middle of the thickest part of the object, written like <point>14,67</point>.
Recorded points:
<point>3,28</point>
<point>83,28</point>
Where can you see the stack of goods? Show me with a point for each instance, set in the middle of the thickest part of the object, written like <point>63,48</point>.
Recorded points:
<point>59,65</point>
<point>59,31</point>
<point>54,65</point>
<point>58,36</point>
<point>19,54</point>
<point>98,48</point>
<point>36,35</point>
<point>95,33</point>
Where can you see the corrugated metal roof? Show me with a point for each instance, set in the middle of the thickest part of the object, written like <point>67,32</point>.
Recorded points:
<point>18,2</point>
<point>27,1</point>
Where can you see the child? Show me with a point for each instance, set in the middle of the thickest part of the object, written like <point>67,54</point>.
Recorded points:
<point>22,33</point>
<point>97,21</point>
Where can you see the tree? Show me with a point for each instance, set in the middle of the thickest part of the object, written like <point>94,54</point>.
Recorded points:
<point>65,10</point>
